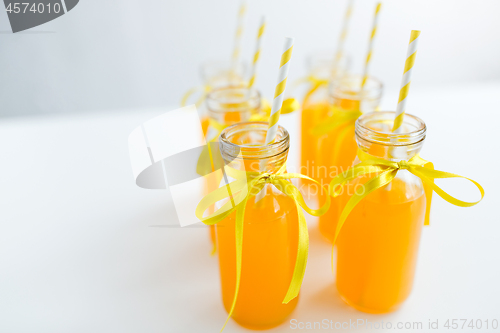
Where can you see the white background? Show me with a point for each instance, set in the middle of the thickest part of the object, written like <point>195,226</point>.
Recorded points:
<point>121,54</point>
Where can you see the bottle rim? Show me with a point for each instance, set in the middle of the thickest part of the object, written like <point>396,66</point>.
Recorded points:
<point>255,150</point>
<point>233,99</point>
<point>414,129</point>
<point>349,83</point>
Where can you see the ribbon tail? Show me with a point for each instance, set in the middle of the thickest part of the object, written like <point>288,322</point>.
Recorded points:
<point>301,261</point>
<point>428,175</point>
<point>428,196</point>
<point>240,215</point>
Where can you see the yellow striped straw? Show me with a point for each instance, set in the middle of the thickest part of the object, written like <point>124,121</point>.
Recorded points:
<point>279,91</point>
<point>239,33</point>
<point>256,55</point>
<point>343,34</point>
<point>370,44</point>
<point>405,82</point>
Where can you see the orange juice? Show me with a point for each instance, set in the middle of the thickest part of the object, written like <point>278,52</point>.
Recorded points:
<point>339,148</point>
<point>270,236</point>
<point>312,115</point>
<point>377,248</point>
<point>378,243</point>
<point>339,152</point>
<point>270,233</point>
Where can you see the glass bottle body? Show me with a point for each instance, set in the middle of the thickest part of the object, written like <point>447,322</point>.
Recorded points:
<point>270,233</point>
<point>227,106</point>
<point>378,244</point>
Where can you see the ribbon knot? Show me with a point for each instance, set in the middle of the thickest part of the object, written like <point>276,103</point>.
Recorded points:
<point>403,165</point>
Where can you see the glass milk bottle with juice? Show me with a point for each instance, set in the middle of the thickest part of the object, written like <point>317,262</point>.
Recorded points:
<point>315,107</point>
<point>337,145</point>
<point>227,106</point>
<point>270,236</point>
<point>216,75</point>
<point>378,243</point>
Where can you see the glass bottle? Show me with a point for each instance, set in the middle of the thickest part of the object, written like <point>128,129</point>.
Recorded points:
<point>227,106</point>
<point>270,232</point>
<point>315,107</point>
<point>378,244</point>
<point>337,148</point>
<point>219,74</point>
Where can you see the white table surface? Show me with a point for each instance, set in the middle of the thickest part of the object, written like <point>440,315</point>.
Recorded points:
<point>82,249</point>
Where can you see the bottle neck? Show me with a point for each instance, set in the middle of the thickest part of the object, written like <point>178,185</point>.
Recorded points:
<point>231,105</point>
<point>348,95</point>
<point>242,147</point>
<point>322,66</point>
<point>374,135</point>
<point>218,74</point>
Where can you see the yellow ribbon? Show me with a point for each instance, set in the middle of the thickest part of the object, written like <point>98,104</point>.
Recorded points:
<point>339,119</point>
<point>386,171</point>
<point>315,82</point>
<point>247,185</point>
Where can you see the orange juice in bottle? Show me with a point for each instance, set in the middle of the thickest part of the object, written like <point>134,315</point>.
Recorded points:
<point>338,149</point>
<point>227,106</point>
<point>270,233</point>
<point>316,108</point>
<point>378,243</point>
<point>219,74</point>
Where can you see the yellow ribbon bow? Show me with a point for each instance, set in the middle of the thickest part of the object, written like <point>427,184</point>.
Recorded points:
<point>386,171</point>
<point>247,185</point>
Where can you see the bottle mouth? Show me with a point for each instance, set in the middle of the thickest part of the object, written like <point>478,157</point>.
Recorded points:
<point>349,87</point>
<point>246,140</point>
<point>233,99</point>
<point>221,72</point>
<point>321,64</point>
<point>376,127</point>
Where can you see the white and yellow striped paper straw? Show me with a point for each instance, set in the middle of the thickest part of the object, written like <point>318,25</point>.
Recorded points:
<point>411,54</point>
<point>343,34</point>
<point>239,33</point>
<point>370,45</point>
<point>256,56</point>
<point>279,91</point>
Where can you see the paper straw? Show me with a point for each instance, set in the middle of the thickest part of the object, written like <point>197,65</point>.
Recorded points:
<point>411,54</point>
<point>239,33</point>
<point>256,55</point>
<point>279,92</point>
<point>278,100</point>
<point>370,45</point>
<point>343,35</point>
